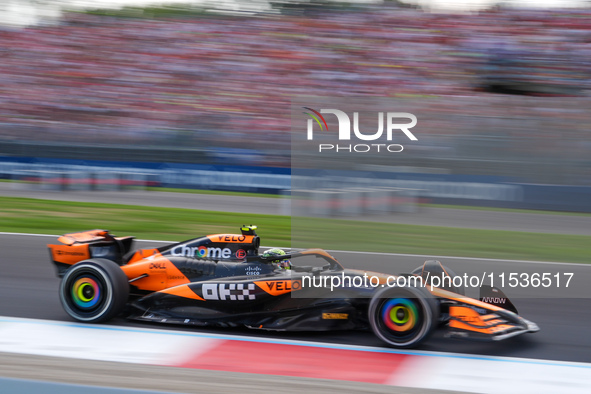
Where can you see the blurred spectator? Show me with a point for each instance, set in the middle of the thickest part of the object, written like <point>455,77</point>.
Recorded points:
<point>226,82</point>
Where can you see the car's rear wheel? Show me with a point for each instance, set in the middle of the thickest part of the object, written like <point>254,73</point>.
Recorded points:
<point>403,317</point>
<point>94,291</point>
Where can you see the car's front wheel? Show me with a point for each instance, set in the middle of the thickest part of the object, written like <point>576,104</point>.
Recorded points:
<point>403,317</point>
<point>94,291</point>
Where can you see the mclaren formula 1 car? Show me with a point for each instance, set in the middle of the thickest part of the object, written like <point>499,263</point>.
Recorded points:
<point>221,280</point>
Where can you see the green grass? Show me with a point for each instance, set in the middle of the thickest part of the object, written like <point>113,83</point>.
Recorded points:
<point>175,224</point>
<point>180,10</point>
<point>441,241</point>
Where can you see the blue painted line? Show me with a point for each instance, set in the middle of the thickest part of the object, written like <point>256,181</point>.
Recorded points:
<point>296,343</point>
<point>22,386</point>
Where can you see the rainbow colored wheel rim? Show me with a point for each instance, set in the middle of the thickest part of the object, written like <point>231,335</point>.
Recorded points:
<point>400,314</point>
<point>86,292</point>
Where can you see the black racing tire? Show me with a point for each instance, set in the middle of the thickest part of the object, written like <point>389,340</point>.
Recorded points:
<point>403,317</point>
<point>94,291</point>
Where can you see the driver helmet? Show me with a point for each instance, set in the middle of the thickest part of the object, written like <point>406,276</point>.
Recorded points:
<point>282,264</point>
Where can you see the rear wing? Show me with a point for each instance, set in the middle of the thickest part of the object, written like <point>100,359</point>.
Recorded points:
<point>85,237</point>
<point>76,247</point>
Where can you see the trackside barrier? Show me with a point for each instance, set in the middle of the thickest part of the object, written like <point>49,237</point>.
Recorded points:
<point>352,202</point>
<point>377,201</point>
<point>51,180</point>
<point>405,199</point>
<point>136,180</point>
<point>84,180</point>
<point>440,188</point>
<point>79,180</point>
<point>106,180</point>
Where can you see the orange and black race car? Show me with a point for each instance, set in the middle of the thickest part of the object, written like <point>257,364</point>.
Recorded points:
<point>221,280</point>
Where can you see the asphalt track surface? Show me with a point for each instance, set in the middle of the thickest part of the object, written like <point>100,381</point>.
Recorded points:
<point>445,217</point>
<point>28,288</point>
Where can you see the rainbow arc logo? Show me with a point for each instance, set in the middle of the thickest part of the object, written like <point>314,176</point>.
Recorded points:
<point>315,115</point>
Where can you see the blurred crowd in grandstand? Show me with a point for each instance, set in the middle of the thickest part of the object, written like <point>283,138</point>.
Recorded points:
<point>226,82</point>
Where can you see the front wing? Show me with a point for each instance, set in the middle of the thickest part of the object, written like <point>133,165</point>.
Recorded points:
<point>467,321</point>
<point>474,319</point>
